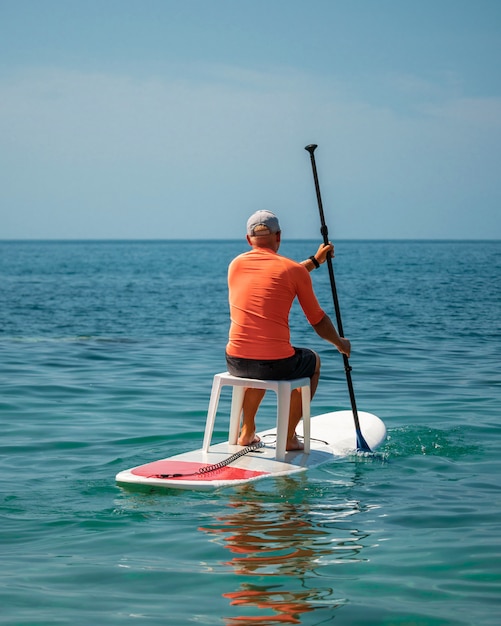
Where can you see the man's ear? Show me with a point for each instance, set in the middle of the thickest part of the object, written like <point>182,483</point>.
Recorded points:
<point>249,240</point>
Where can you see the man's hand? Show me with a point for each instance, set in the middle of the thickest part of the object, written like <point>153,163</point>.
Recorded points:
<point>344,346</point>
<point>324,250</point>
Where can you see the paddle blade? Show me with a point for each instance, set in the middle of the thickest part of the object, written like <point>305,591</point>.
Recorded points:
<point>361,443</point>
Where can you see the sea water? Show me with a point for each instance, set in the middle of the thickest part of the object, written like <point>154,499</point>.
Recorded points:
<point>107,352</point>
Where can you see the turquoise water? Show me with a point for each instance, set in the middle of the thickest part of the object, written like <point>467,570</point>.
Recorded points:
<point>107,352</point>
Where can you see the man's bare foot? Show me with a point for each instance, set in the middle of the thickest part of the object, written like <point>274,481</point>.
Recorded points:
<point>246,439</point>
<point>294,444</point>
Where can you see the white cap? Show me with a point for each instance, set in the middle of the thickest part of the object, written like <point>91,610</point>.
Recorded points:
<point>266,219</point>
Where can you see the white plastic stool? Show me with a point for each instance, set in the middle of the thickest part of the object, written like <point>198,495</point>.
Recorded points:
<point>282,388</point>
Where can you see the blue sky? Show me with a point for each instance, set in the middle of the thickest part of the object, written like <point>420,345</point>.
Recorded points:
<point>177,119</point>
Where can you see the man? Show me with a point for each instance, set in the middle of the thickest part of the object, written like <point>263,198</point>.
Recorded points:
<point>262,286</point>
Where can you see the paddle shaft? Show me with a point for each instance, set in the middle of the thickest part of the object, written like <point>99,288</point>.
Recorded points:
<point>361,443</point>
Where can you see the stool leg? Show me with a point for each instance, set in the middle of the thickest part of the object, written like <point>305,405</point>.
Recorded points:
<point>306,402</point>
<point>283,406</point>
<point>211,413</point>
<point>237,400</point>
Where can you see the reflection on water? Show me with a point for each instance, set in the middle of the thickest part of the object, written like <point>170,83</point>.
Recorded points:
<point>285,543</point>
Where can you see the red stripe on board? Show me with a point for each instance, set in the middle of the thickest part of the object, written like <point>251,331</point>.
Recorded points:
<point>153,470</point>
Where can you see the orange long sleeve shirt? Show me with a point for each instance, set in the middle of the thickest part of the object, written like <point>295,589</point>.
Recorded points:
<point>262,287</point>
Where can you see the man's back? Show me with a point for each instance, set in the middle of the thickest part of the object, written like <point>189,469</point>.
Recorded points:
<point>262,286</point>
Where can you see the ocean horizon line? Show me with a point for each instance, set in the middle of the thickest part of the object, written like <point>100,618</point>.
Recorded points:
<point>236,239</point>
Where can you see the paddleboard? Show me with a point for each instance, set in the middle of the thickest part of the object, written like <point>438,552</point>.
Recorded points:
<point>333,437</point>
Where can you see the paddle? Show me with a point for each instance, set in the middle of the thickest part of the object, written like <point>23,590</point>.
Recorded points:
<point>361,443</point>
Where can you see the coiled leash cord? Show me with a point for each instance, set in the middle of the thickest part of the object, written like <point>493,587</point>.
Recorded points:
<point>216,466</point>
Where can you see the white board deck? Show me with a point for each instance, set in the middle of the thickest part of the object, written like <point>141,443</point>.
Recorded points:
<point>333,436</point>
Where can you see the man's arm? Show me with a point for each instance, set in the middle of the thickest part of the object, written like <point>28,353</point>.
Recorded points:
<point>325,329</point>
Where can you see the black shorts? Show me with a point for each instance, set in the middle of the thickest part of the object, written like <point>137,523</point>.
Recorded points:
<point>301,365</point>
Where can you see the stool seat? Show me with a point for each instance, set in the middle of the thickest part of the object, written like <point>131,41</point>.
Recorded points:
<point>282,388</point>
